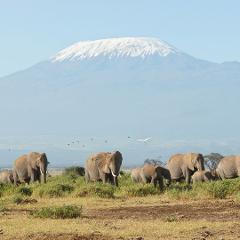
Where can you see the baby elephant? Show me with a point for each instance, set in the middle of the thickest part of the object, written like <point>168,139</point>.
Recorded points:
<point>6,176</point>
<point>203,176</point>
<point>151,174</point>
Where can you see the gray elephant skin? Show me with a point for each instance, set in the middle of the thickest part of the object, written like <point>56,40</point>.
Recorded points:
<point>151,174</point>
<point>229,167</point>
<point>182,166</point>
<point>203,176</point>
<point>6,176</point>
<point>29,168</point>
<point>104,166</point>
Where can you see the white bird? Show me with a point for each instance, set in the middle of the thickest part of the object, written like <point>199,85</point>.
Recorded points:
<point>144,140</point>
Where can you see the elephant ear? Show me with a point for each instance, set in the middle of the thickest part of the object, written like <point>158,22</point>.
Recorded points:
<point>103,162</point>
<point>118,156</point>
<point>189,159</point>
<point>44,157</point>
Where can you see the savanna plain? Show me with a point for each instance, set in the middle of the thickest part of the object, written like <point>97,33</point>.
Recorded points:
<point>66,208</point>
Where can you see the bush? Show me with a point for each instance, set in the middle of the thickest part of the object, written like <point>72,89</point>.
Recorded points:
<point>66,211</point>
<point>96,189</point>
<point>75,171</point>
<point>138,190</point>
<point>26,191</point>
<point>55,190</point>
<point>17,198</point>
<point>220,189</point>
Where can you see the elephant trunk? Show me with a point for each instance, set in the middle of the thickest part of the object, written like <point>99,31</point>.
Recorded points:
<point>44,175</point>
<point>202,166</point>
<point>115,179</point>
<point>44,178</point>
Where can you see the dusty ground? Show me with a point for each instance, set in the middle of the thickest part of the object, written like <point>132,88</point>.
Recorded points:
<point>135,219</point>
<point>206,210</point>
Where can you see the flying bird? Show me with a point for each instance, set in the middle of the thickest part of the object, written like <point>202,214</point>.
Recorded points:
<point>145,140</point>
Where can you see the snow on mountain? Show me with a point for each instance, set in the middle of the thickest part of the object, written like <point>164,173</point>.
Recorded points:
<point>115,47</point>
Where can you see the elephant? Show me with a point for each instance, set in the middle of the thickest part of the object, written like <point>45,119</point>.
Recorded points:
<point>104,166</point>
<point>182,166</point>
<point>136,175</point>
<point>229,167</point>
<point>151,174</point>
<point>29,168</point>
<point>203,176</point>
<point>6,176</point>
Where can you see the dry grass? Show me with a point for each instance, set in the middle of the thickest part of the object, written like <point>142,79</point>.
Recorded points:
<point>175,214</point>
<point>17,223</point>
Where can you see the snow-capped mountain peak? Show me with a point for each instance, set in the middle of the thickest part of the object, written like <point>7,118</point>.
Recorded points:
<point>115,47</point>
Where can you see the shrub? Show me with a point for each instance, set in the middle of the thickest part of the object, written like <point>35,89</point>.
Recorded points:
<point>220,189</point>
<point>66,211</point>
<point>96,190</point>
<point>26,191</point>
<point>17,198</point>
<point>171,219</point>
<point>75,171</point>
<point>55,190</point>
<point>138,190</point>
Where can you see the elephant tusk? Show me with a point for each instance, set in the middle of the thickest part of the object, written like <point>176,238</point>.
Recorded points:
<point>113,174</point>
<point>41,171</point>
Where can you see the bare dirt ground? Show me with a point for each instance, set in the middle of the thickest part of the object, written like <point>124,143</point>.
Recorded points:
<point>198,220</point>
<point>206,210</point>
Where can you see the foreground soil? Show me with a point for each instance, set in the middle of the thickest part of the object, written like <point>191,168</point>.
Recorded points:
<point>135,219</point>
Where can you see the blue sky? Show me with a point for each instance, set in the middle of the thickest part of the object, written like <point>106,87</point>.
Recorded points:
<point>31,31</point>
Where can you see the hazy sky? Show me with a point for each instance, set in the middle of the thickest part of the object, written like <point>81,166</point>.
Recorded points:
<point>31,31</point>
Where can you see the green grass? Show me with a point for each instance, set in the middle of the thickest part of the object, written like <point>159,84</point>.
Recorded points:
<point>63,212</point>
<point>75,186</point>
<point>219,189</point>
<point>55,190</point>
<point>137,190</point>
<point>95,190</point>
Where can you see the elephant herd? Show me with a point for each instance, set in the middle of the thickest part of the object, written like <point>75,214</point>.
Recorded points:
<point>27,168</point>
<point>105,167</point>
<point>32,167</point>
<point>188,167</point>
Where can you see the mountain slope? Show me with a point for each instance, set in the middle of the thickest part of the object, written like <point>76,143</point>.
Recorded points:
<point>121,87</point>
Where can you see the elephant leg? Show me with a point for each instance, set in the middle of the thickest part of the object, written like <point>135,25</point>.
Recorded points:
<point>116,181</point>
<point>187,177</point>
<point>154,181</point>
<point>87,177</point>
<point>160,182</point>
<point>144,179</point>
<point>15,177</point>
<point>32,176</point>
<point>103,177</point>
<point>39,179</point>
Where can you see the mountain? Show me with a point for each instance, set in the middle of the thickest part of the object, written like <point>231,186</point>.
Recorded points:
<point>119,87</point>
